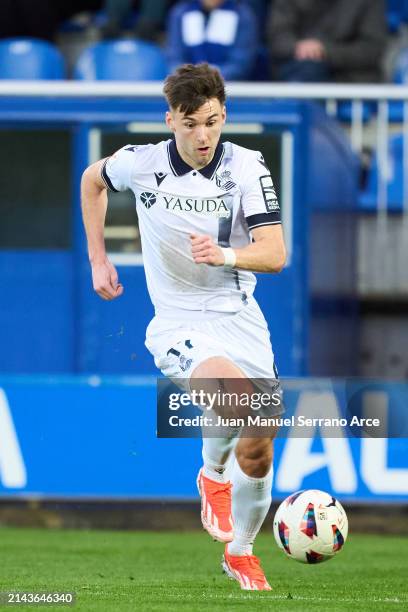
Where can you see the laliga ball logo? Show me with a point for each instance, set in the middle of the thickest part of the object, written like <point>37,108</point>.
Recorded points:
<point>310,526</point>
<point>148,199</point>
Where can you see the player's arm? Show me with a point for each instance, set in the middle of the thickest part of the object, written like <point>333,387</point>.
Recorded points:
<point>266,254</point>
<point>94,205</point>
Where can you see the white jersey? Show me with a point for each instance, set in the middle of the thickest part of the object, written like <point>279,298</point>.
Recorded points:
<point>226,199</point>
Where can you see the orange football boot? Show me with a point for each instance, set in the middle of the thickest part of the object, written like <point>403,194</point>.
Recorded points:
<point>216,508</point>
<point>247,570</point>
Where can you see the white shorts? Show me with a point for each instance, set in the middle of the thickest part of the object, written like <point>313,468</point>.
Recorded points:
<point>178,347</point>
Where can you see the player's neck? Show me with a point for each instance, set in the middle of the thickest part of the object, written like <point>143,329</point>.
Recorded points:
<point>192,162</point>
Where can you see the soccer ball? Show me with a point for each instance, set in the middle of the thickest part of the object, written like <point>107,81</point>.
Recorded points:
<point>310,526</point>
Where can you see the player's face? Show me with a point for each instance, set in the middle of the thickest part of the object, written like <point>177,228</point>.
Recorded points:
<point>197,134</point>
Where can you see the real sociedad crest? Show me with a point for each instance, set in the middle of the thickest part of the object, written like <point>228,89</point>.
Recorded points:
<point>224,180</point>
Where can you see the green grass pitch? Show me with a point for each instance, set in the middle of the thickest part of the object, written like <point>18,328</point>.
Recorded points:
<point>121,571</point>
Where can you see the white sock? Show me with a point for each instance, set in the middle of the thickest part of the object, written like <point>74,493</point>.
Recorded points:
<point>251,499</point>
<point>215,455</point>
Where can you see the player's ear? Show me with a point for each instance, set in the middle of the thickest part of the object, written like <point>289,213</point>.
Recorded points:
<point>224,114</point>
<point>169,121</point>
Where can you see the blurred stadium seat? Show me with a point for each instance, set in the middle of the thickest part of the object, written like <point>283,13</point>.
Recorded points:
<point>394,176</point>
<point>28,58</point>
<point>122,60</point>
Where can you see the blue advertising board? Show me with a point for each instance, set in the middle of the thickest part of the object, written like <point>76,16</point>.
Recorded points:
<point>72,437</point>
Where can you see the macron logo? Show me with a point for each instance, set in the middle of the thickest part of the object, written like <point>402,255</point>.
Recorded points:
<point>12,469</point>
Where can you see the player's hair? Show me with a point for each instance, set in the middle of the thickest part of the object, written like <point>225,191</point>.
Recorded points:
<point>190,86</point>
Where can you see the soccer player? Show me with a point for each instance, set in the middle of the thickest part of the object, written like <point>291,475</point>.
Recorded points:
<point>208,218</point>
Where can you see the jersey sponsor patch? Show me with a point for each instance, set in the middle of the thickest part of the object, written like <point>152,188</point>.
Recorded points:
<point>148,199</point>
<point>219,207</point>
<point>269,193</point>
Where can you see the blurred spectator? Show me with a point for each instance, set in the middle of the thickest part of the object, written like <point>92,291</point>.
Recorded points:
<point>317,40</point>
<point>42,18</point>
<point>223,33</point>
<point>39,18</point>
<point>150,20</point>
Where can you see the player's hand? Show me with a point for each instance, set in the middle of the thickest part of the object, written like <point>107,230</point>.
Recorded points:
<point>105,280</point>
<point>310,49</point>
<point>204,250</point>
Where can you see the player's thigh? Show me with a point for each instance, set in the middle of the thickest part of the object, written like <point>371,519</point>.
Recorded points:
<point>217,367</point>
<point>221,379</point>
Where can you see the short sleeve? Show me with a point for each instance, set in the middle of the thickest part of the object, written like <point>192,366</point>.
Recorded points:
<point>116,170</point>
<point>259,202</point>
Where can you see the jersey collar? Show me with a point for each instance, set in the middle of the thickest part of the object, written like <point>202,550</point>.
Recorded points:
<point>180,167</point>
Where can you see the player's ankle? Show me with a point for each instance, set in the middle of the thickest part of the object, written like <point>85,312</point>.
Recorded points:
<point>238,548</point>
<point>214,472</point>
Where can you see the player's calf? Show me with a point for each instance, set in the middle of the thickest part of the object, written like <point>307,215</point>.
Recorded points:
<point>254,456</point>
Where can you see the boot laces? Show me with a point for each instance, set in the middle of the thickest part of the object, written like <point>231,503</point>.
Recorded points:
<point>254,564</point>
<point>222,495</point>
